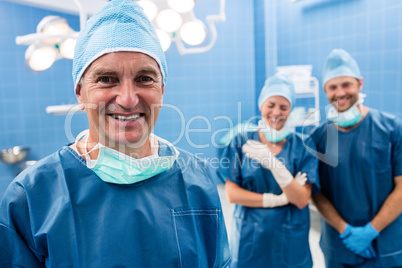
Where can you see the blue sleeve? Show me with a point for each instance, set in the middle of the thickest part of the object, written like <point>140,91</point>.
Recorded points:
<point>397,149</point>
<point>16,246</point>
<point>230,161</point>
<point>309,165</point>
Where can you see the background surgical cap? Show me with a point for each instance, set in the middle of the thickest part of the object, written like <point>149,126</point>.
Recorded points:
<point>340,63</point>
<point>278,85</point>
<point>119,26</point>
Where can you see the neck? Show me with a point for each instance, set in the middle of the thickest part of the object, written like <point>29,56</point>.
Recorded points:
<point>364,110</point>
<point>275,147</point>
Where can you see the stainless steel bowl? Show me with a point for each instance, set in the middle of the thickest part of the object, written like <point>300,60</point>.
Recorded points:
<point>14,155</point>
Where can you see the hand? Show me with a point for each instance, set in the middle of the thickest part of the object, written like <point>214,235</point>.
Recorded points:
<point>358,240</point>
<point>301,178</point>
<point>257,151</point>
<point>272,200</point>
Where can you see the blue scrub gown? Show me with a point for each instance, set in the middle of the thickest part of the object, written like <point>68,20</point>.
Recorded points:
<point>59,213</point>
<point>358,181</point>
<point>269,237</point>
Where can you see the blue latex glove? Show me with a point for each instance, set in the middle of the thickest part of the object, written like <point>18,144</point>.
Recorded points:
<point>358,240</point>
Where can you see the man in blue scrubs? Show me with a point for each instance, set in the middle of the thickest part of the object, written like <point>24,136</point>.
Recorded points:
<point>360,172</point>
<point>119,196</point>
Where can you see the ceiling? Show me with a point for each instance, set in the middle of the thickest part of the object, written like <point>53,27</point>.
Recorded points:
<point>65,6</point>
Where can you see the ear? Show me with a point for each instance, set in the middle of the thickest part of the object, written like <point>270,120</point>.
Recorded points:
<point>78,89</point>
<point>323,86</point>
<point>361,83</point>
<point>163,92</point>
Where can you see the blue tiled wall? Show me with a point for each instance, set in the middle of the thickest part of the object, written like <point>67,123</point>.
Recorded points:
<point>201,87</point>
<point>370,30</point>
<point>260,46</point>
<point>24,96</point>
<point>265,43</point>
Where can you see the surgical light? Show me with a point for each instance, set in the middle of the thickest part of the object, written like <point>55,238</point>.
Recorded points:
<point>169,20</point>
<point>67,48</point>
<point>176,22</point>
<point>181,6</point>
<point>53,40</point>
<point>53,25</point>
<point>164,38</point>
<point>193,33</point>
<point>150,9</point>
<point>41,58</point>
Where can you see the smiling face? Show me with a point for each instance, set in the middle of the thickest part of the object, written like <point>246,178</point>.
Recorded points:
<point>275,110</point>
<point>122,93</point>
<point>342,92</point>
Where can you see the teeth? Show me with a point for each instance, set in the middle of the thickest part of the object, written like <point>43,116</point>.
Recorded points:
<point>125,118</point>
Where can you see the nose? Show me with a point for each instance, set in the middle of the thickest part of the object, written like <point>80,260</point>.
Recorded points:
<point>340,92</point>
<point>276,111</point>
<point>127,96</point>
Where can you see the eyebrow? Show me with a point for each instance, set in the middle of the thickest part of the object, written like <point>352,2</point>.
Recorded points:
<point>103,72</point>
<point>149,70</point>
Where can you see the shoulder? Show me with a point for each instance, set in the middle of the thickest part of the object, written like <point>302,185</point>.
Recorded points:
<point>319,132</point>
<point>189,160</point>
<point>386,124</point>
<point>36,175</point>
<point>243,137</point>
<point>300,139</point>
<point>300,144</point>
<point>384,119</point>
<point>239,140</point>
<point>196,170</point>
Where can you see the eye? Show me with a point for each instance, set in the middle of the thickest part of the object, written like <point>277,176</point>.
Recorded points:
<point>106,79</point>
<point>145,80</point>
<point>346,85</point>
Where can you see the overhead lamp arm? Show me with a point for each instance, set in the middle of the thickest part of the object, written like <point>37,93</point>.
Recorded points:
<point>211,19</point>
<point>83,14</point>
<point>31,38</point>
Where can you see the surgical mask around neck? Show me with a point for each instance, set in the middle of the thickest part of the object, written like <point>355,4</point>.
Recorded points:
<point>349,117</point>
<point>272,134</point>
<point>115,167</point>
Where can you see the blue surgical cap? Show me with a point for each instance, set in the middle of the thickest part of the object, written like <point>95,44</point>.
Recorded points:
<point>340,63</point>
<point>119,26</point>
<point>278,85</point>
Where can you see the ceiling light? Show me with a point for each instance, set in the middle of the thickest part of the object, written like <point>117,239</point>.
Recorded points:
<point>150,9</point>
<point>40,58</point>
<point>53,25</point>
<point>181,6</point>
<point>169,20</point>
<point>193,32</point>
<point>67,48</point>
<point>164,38</point>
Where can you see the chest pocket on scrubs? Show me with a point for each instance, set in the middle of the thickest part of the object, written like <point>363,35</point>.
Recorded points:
<point>379,156</point>
<point>196,236</point>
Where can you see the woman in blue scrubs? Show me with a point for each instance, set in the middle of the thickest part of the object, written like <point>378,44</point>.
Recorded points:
<point>270,178</point>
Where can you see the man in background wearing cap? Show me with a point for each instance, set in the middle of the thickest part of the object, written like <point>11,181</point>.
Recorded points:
<point>360,172</point>
<point>119,196</point>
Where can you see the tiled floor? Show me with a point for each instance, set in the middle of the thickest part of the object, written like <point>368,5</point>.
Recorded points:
<point>315,229</point>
